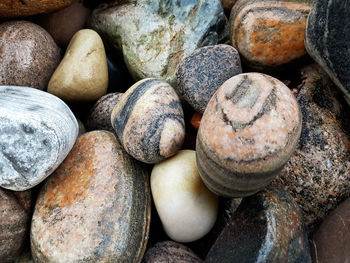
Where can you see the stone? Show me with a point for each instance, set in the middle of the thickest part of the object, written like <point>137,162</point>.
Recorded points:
<point>149,121</point>
<point>95,207</point>
<point>171,252</point>
<point>28,55</point>
<point>82,74</point>
<point>37,131</point>
<point>154,36</point>
<point>81,128</point>
<point>327,40</point>
<point>318,173</point>
<point>201,73</point>
<point>248,131</point>
<point>269,34</point>
<point>267,227</point>
<point>227,5</point>
<point>196,120</point>
<point>331,242</point>
<point>100,115</point>
<point>185,206</point>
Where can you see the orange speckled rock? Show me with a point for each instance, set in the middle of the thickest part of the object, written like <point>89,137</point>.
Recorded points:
<point>269,33</point>
<point>248,131</point>
<point>94,208</point>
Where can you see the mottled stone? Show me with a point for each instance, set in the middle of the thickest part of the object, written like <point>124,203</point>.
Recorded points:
<point>201,73</point>
<point>37,131</point>
<point>327,40</point>
<point>154,36</point>
<point>267,227</point>
<point>149,121</point>
<point>170,252</point>
<point>28,55</point>
<point>95,207</point>
<point>100,115</point>
<point>318,173</point>
<point>248,131</point>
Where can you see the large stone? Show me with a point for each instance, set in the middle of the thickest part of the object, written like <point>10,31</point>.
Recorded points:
<point>37,131</point>
<point>95,207</point>
<point>154,36</point>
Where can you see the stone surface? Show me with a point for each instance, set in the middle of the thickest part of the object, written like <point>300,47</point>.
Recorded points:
<point>185,206</point>
<point>149,121</point>
<point>100,115</point>
<point>227,5</point>
<point>82,74</point>
<point>248,131</point>
<point>318,173</point>
<point>81,128</point>
<point>37,131</point>
<point>170,252</point>
<point>327,40</point>
<point>201,73</point>
<point>267,227</point>
<point>28,55</point>
<point>95,207</point>
<point>268,34</point>
<point>154,36</point>
<point>196,120</point>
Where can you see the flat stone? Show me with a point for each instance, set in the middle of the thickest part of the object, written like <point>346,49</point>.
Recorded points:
<point>95,207</point>
<point>37,131</point>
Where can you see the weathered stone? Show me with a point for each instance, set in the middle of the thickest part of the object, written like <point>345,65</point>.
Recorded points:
<point>95,207</point>
<point>28,55</point>
<point>267,227</point>
<point>37,131</point>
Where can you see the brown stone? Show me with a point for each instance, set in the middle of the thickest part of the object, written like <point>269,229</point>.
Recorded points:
<point>227,5</point>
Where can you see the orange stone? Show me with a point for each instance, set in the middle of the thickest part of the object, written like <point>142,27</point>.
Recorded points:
<point>196,120</point>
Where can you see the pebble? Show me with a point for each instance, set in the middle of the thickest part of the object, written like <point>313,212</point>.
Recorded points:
<point>249,130</point>
<point>95,207</point>
<point>327,40</point>
<point>201,73</point>
<point>149,121</point>
<point>82,75</point>
<point>37,131</point>
<point>185,206</point>
<point>267,227</point>
<point>227,5</point>
<point>28,55</point>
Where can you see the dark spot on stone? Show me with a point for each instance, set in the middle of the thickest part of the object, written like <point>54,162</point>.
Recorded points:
<point>27,129</point>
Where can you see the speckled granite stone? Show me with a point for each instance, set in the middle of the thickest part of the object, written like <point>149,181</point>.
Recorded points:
<point>28,55</point>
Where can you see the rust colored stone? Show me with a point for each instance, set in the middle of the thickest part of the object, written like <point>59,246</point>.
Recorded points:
<point>227,5</point>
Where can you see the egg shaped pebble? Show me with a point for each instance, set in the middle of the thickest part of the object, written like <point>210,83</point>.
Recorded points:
<point>149,121</point>
<point>37,131</point>
<point>184,204</point>
<point>248,131</point>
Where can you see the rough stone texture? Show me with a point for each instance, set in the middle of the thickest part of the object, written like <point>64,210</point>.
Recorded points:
<point>268,34</point>
<point>95,207</point>
<point>15,212</point>
<point>37,131</point>
<point>201,73</point>
<point>267,227</point>
<point>154,36</point>
<point>149,121</point>
<point>100,115</point>
<point>318,173</point>
<point>170,252</point>
<point>327,40</point>
<point>28,55</point>
<point>248,131</point>
<point>331,242</point>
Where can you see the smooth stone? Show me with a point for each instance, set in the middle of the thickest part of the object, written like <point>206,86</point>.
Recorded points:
<point>100,115</point>
<point>227,5</point>
<point>267,227</point>
<point>81,128</point>
<point>327,40</point>
<point>196,120</point>
<point>154,36</point>
<point>28,55</point>
<point>37,131</point>
<point>201,73</point>
<point>170,252</point>
<point>318,173</point>
<point>248,131</point>
<point>269,34</point>
<point>82,74</point>
<point>149,121</point>
<point>95,207</point>
<point>185,206</point>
